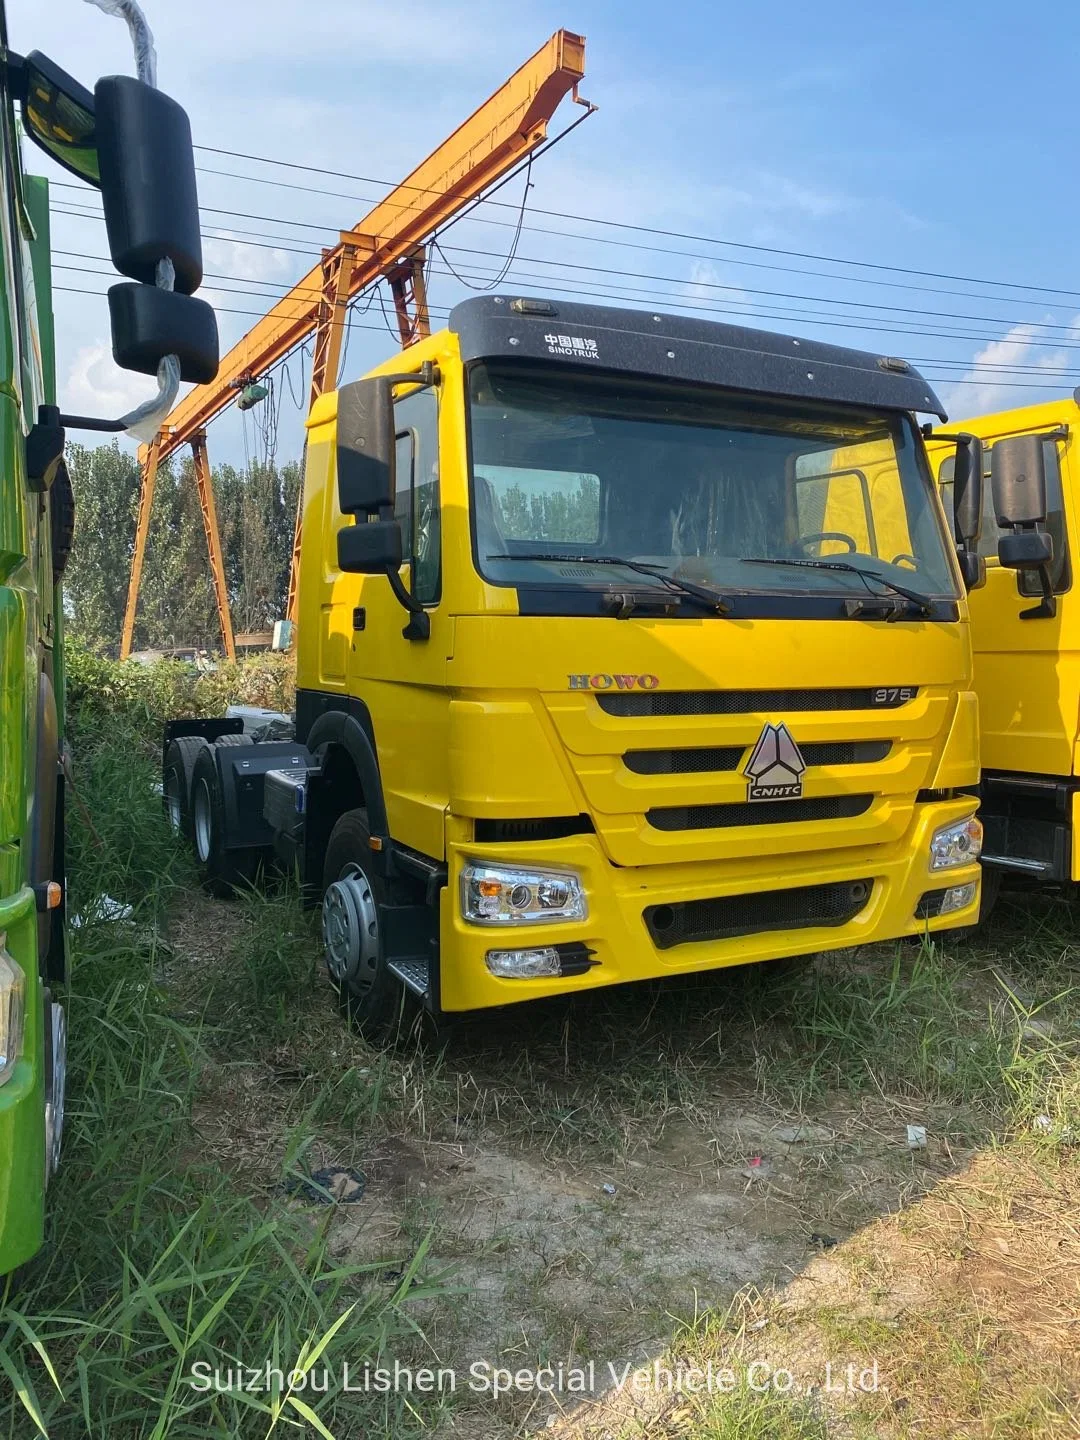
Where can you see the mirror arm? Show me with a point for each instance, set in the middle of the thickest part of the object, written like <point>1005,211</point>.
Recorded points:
<point>419,626</point>
<point>423,379</point>
<point>15,70</point>
<point>1047,606</point>
<point>88,422</point>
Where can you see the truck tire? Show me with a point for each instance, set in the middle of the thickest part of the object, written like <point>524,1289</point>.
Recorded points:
<point>369,993</point>
<point>177,774</point>
<point>222,871</point>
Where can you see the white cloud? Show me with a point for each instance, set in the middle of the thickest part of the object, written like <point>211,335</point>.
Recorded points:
<point>708,288</point>
<point>993,383</point>
<point>96,386</point>
<point>233,258</point>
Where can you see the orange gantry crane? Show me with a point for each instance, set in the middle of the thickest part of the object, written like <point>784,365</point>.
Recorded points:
<point>387,244</point>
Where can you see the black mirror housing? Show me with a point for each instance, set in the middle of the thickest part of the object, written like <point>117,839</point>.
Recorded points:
<point>1028,550</point>
<point>1018,475</point>
<point>968,491</point>
<point>370,548</point>
<point>365,447</point>
<point>148,190</point>
<point>148,324</point>
<point>972,569</point>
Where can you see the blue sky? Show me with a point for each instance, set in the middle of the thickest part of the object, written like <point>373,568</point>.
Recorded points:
<point>935,137</point>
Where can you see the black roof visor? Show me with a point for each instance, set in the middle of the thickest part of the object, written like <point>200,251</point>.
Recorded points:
<point>704,352</point>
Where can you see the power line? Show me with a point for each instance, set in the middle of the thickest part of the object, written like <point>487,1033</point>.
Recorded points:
<point>442,312</point>
<point>623,244</point>
<point>671,234</point>
<point>1018,385</point>
<point>825,317</point>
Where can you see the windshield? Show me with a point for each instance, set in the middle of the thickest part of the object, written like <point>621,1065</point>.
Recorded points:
<point>703,486</point>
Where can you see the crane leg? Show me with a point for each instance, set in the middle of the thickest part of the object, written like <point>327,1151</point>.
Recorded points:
<point>213,538</point>
<point>147,481</point>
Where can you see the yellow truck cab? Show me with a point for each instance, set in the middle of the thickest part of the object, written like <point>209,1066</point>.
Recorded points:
<point>628,645</point>
<point>1026,636</point>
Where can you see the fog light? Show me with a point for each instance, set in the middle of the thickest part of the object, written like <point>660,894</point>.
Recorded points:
<point>524,964</point>
<point>943,902</point>
<point>507,895</point>
<point>12,1003</point>
<point>956,844</point>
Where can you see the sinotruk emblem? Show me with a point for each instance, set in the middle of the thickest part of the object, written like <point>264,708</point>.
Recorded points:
<point>775,768</point>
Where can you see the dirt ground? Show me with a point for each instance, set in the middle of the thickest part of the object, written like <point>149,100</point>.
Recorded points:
<point>559,1245</point>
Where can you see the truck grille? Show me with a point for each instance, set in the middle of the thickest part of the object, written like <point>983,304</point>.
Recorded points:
<point>730,916</point>
<point>752,702</point>
<point>759,812</point>
<point>727,757</point>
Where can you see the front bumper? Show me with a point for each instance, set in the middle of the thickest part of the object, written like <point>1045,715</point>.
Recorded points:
<point>615,929</point>
<point>22,1101</point>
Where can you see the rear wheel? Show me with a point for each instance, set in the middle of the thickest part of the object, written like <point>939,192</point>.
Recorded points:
<point>177,777</point>
<point>221,870</point>
<point>374,998</point>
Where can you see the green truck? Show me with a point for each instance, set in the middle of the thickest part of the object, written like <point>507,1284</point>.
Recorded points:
<point>127,130</point>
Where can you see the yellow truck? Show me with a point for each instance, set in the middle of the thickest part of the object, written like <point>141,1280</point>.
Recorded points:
<point>628,645</point>
<point>1027,656</point>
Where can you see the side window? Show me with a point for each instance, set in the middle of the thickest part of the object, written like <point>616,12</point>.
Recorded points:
<point>541,505</point>
<point>416,505</point>
<point>1027,581</point>
<point>835,503</point>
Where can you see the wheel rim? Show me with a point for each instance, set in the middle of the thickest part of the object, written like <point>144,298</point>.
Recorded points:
<point>350,925</point>
<point>172,801</point>
<point>56,1091</point>
<point>201,820</point>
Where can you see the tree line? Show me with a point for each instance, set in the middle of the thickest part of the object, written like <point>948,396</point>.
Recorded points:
<point>256,509</point>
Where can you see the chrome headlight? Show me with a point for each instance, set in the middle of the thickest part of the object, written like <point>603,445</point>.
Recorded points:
<point>12,1010</point>
<point>957,844</point>
<point>506,895</point>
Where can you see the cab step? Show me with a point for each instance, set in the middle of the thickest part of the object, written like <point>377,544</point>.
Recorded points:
<point>413,972</point>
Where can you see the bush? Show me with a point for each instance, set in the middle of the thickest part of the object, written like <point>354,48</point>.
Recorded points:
<point>101,692</point>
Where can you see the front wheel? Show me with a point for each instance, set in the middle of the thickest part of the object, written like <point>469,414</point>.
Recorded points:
<point>353,894</point>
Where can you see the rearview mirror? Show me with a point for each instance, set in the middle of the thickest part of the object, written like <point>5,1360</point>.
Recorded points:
<point>968,491</point>
<point>147,165</point>
<point>58,114</point>
<point>134,143</point>
<point>148,324</point>
<point>365,447</point>
<point>1018,473</point>
<point>370,547</point>
<point>1018,476</point>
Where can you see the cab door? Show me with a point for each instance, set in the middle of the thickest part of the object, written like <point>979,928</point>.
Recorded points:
<point>402,680</point>
<point>1027,671</point>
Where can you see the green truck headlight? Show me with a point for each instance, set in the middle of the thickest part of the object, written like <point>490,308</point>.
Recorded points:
<point>957,844</point>
<point>12,1010</point>
<point>506,895</point>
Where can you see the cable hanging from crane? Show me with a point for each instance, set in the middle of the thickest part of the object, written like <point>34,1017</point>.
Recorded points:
<point>511,255</point>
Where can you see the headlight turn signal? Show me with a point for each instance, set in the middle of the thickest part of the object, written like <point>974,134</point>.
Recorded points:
<point>506,895</point>
<point>957,844</point>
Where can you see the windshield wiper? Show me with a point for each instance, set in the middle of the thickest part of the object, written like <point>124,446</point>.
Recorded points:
<point>711,599</point>
<point>810,563</point>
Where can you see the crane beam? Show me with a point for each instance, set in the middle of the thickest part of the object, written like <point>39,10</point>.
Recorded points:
<point>504,130</point>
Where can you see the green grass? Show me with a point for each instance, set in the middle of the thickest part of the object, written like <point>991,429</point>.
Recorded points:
<point>172,1242</point>
<point>156,1259</point>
